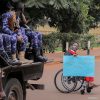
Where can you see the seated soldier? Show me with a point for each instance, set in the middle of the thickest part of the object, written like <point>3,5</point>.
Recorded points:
<point>36,37</point>
<point>9,26</point>
<point>5,46</point>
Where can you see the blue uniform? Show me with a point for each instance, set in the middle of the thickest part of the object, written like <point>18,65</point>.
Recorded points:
<point>5,46</point>
<point>5,43</point>
<point>39,39</point>
<point>13,35</point>
<point>7,30</point>
<point>36,39</point>
<point>36,42</point>
<point>22,46</point>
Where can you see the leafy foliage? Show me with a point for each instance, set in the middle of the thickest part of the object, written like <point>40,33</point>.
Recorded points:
<point>94,11</point>
<point>84,40</point>
<point>66,15</point>
<point>51,41</point>
<point>54,40</point>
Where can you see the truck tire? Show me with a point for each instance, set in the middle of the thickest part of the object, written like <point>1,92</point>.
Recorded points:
<point>13,90</point>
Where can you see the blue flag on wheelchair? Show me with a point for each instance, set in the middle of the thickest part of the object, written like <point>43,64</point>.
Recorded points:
<point>79,66</point>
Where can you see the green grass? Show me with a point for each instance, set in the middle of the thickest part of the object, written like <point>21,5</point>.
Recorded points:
<point>58,49</point>
<point>96,44</point>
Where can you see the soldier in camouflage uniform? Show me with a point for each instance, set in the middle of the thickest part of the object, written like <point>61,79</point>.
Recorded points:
<point>6,30</point>
<point>10,27</point>
<point>35,37</point>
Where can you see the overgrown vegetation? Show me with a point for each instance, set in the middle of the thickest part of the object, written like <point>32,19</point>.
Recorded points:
<point>53,42</point>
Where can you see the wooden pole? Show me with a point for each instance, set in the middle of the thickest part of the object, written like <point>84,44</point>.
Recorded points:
<point>88,49</point>
<point>67,46</point>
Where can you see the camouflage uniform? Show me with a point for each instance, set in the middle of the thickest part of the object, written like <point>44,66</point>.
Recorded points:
<point>36,44</point>
<point>5,43</point>
<point>5,46</point>
<point>22,46</point>
<point>7,30</point>
<point>13,35</point>
<point>37,41</point>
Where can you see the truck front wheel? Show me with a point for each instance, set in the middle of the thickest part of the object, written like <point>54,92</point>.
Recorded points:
<point>13,90</point>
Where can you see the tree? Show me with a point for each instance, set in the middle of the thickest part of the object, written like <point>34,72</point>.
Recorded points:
<point>94,11</point>
<point>66,15</point>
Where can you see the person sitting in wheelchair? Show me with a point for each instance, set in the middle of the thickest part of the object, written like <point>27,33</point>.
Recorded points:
<point>73,51</point>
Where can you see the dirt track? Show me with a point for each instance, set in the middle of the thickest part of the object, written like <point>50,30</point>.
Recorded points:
<point>51,93</point>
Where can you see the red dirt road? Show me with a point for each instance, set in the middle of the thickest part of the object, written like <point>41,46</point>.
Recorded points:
<point>51,93</point>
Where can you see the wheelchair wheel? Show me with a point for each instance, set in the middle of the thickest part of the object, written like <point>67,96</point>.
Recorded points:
<point>64,84</point>
<point>80,82</point>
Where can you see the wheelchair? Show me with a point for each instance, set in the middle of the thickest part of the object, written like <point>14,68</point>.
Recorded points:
<point>68,84</point>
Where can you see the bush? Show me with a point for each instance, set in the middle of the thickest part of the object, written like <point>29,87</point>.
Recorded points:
<point>50,42</point>
<point>84,38</point>
<point>56,39</point>
<point>68,37</point>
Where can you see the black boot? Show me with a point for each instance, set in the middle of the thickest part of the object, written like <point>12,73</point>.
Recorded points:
<point>38,57</point>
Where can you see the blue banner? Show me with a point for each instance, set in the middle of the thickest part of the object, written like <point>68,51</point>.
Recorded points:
<point>79,66</point>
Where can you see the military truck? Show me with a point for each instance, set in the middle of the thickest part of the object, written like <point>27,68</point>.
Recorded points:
<point>15,78</point>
